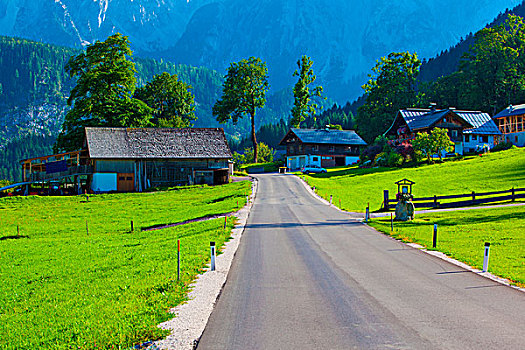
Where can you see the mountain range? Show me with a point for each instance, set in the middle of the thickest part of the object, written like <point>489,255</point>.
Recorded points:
<point>343,37</point>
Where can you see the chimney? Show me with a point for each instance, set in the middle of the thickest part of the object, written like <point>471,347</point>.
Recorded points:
<point>432,107</point>
<point>510,108</point>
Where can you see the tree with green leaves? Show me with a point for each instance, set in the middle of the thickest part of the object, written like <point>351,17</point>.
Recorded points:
<point>390,88</point>
<point>302,106</point>
<point>423,144</point>
<point>494,68</point>
<point>103,95</point>
<point>171,99</point>
<point>440,141</point>
<point>244,90</point>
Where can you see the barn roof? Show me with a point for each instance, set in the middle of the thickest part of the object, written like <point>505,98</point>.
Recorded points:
<point>327,136</point>
<point>155,143</point>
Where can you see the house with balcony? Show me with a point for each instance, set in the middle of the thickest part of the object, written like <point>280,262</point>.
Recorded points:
<point>134,159</point>
<point>468,130</point>
<point>511,123</point>
<point>323,147</point>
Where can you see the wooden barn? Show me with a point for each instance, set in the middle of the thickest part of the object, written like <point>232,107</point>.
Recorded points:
<point>134,159</point>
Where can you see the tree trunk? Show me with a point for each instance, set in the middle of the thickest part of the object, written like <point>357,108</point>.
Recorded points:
<point>254,140</point>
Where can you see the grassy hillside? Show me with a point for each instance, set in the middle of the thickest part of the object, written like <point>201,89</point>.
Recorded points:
<point>65,287</point>
<point>357,187</point>
<point>462,235</point>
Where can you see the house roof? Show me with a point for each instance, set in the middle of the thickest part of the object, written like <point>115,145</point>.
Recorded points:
<point>154,143</point>
<point>327,136</point>
<point>511,110</point>
<point>481,122</point>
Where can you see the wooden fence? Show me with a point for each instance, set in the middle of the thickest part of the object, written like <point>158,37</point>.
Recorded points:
<point>474,199</point>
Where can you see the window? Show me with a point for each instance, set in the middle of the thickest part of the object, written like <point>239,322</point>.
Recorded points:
<point>454,133</point>
<point>474,137</point>
<point>300,148</point>
<point>485,138</point>
<point>315,159</point>
<point>331,148</point>
<point>467,138</point>
<point>315,148</point>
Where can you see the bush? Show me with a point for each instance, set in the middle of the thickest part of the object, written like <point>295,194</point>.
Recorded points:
<point>502,146</point>
<point>394,159</point>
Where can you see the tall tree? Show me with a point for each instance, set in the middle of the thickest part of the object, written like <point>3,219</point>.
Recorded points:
<point>103,95</point>
<point>244,90</point>
<point>495,66</point>
<point>171,99</point>
<point>302,107</point>
<point>391,87</point>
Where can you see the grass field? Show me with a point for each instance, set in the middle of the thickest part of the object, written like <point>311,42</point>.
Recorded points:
<point>356,187</point>
<point>62,288</point>
<point>462,235</point>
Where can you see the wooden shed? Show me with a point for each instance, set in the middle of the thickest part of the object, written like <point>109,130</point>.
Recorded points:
<point>134,159</point>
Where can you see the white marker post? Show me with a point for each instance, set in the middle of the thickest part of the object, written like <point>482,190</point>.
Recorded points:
<point>435,238</point>
<point>330,199</point>
<point>486,257</point>
<point>367,214</point>
<point>212,251</point>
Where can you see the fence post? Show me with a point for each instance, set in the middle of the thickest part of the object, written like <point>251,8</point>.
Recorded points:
<point>131,225</point>
<point>17,230</point>
<point>385,199</point>
<point>513,195</point>
<point>178,259</point>
<point>473,197</point>
<point>391,222</point>
<point>435,201</point>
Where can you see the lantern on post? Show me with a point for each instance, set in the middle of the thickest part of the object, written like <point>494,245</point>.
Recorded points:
<point>404,208</point>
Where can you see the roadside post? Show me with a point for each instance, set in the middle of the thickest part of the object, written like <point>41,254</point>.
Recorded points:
<point>17,230</point>
<point>486,257</point>
<point>330,200</point>
<point>87,228</point>
<point>225,221</point>
<point>131,225</point>
<point>435,238</point>
<point>367,214</point>
<point>212,251</point>
<point>178,259</point>
<point>391,222</point>
<point>340,204</point>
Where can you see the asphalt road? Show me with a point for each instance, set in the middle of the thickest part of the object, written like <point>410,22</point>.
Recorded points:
<point>307,276</point>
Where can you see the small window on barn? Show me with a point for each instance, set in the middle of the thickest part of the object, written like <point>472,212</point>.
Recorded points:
<point>474,137</point>
<point>485,138</point>
<point>454,133</point>
<point>331,148</point>
<point>315,159</point>
<point>121,178</point>
<point>467,138</point>
<point>315,148</point>
<point>129,178</point>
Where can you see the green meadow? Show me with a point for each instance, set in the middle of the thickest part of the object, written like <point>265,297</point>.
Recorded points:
<point>357,187</point>
<point>75,276</point>
<point>462,236</point>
